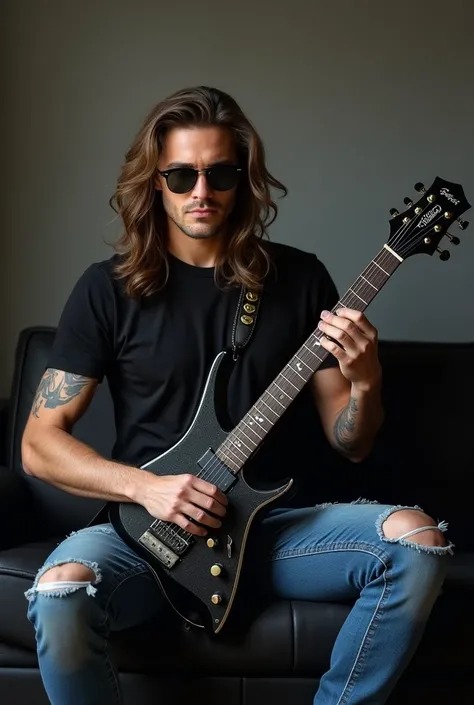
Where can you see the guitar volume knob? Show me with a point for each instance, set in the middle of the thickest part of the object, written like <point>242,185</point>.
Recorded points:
<point>216,569</point>
<point>212,542</point>
<point>216,598</point>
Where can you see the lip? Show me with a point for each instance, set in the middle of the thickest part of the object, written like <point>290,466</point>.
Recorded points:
<point>203,211</point>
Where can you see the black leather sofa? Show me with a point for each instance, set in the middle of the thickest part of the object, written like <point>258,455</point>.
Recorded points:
<point>424,456</point>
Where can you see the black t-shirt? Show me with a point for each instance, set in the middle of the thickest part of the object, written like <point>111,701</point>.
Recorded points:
<point>156,353</point>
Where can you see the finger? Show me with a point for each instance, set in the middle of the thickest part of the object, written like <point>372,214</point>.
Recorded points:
<point>350,341</point>
<point>359,319</point>
<point>338,352</point>
<point>185,523</point>
<point>209,489</point>
<point>200,515</point>
<point>205,502</point>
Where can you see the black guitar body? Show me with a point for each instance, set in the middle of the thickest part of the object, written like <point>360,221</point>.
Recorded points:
<point>182,562</point>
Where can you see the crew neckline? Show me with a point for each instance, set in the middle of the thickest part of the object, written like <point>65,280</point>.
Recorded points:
<point>182,267</point>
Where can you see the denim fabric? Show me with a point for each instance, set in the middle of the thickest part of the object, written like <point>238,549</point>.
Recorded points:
<point>332,552</point>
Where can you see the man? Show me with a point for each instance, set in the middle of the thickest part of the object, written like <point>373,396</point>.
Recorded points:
<point>194,197</point>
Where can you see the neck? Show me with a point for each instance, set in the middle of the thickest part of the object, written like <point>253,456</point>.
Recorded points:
<point>197,252</point>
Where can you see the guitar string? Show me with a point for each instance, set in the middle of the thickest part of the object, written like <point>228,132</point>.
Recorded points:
<point>212,468</point>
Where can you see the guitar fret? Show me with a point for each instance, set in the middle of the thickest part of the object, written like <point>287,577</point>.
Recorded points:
<point>230,447</point>
<point>383,270</point>
<point>313,353</point>
<point>359,297</point>
<point>251,429</point>
<point>253,420</point>
<point>231,464</point>
<point>374,287</point>
<point>261,412</point>
<point>290,381</point>
<point>304,363</point>
<point>278,402</point>
<point>250,441</point>
<point>282,390</point>
<point>297,372</point>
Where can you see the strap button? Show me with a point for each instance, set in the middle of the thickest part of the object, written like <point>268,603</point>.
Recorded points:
<point>251,296</point>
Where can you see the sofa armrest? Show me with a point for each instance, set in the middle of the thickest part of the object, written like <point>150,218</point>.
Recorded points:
<point>15,509</point>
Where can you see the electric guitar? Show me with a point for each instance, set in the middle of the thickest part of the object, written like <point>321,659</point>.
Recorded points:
<point>200,575</point>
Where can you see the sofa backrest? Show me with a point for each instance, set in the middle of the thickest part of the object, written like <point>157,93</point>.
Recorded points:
<point>423,455</point>
<point>425,452</point>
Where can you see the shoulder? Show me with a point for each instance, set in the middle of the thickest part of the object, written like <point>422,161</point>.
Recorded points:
<point>290,261</point>
<point>99,277</point>
<point>96,292</point>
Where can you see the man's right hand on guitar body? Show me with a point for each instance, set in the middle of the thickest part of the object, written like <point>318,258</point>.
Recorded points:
<point>175,498</point>
<point>51,453</point>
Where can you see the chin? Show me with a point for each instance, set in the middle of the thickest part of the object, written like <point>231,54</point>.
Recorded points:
<point>202,235</point>
<point>201,231</point>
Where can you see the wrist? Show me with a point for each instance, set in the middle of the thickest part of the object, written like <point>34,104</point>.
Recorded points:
<point>367,388</point>
<point>136,484</point>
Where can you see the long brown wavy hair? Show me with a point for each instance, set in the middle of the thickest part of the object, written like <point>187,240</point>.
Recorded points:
<point>143,262</point>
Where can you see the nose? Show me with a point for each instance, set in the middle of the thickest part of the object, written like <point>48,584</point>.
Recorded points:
<point>201,189</point>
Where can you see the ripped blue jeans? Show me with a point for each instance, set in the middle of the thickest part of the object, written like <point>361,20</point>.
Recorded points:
<point>332,552</point>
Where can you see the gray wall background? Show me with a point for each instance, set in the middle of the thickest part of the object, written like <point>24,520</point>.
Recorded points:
<point>355,101</point>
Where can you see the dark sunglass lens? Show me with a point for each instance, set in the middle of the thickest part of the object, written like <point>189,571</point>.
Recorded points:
<point>223,178</point>
<point>181,180</point>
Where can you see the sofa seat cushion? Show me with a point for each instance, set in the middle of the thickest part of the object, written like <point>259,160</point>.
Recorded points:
<point>282,637</point>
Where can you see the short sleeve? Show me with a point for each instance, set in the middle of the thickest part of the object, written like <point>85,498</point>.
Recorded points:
<point>83,342</point>
<point>324,297</point>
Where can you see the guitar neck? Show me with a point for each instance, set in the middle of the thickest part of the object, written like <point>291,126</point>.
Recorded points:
<point>244,439</point>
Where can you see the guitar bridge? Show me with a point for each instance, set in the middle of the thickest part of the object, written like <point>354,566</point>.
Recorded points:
<point>159,550</point>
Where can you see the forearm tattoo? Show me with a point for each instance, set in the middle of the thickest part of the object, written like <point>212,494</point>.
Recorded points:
<point>56,389</point>
<point>344,428</point>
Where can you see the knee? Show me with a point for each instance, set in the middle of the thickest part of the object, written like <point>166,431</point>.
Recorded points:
<point>64,613</point>
<point>68,572</point>
<point>414,525</point>
<point>65,578</point>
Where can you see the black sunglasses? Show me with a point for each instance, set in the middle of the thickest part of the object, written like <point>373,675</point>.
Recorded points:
<point>221,177</point>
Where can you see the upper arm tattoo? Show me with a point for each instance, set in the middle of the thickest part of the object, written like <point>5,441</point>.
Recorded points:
<point>56,389</point>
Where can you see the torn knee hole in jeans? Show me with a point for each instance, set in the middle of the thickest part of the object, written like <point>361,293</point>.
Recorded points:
<point>61,588</point>
<point>407,538</point>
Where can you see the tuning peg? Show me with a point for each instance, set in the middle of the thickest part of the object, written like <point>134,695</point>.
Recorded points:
<point>462,223</point>
<point>394,212</point>
<point>455,240</point>
<point>443,254</point>
<point>419,187</point>
<point>407,201</point>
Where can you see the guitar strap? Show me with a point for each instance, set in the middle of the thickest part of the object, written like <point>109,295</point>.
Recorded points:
<point>245,319</point>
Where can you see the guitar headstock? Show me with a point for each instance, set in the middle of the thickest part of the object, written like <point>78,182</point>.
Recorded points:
<point>419,228</point>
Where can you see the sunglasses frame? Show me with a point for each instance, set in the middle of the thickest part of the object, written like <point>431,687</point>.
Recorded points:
<point>205,171</point>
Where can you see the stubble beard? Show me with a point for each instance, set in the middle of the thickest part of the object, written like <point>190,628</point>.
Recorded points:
<point>197,231</point>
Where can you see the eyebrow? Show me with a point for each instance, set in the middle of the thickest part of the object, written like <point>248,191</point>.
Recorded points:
<point>188,165</point>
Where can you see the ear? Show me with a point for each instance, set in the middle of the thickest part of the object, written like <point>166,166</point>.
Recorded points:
<point>158,185</point>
